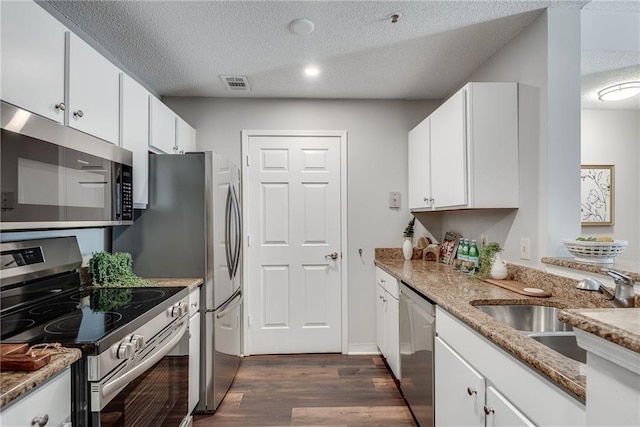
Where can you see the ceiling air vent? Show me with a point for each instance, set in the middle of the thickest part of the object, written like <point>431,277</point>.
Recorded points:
<point>236,82</point>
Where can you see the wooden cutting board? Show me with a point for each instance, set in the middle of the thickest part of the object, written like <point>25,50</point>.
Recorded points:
<point>13,358</point>
<point>519,288</point>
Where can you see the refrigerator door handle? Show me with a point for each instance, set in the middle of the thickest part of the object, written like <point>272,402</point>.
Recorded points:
<point>236,301</point>
<point>238,231</point>
<point>227,232</point>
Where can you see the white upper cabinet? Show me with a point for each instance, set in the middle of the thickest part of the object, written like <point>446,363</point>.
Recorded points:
<point>419,176</point>
<point>33,47</point>
<point>134,125</point>
<point>162,127</point>
<point>185,136</point>
<point>471,151</point>
<point>93,92</point>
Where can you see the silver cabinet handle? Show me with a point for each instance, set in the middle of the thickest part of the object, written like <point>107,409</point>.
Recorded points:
<point>40,421</point>
<point>488,410</point>
<point>60,106</point>
<point>332,255</point>
<point>425,199</point>
<point>471,391</point>
<point>78,114</point>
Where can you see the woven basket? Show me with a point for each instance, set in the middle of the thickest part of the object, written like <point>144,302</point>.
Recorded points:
<point>595,252</point>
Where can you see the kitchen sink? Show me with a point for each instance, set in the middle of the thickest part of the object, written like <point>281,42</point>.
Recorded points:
<point>527,318</point>
<point>541,324</point>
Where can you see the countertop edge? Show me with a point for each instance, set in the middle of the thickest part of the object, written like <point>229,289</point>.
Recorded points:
<point>20,383</point>
<point>585,320</point>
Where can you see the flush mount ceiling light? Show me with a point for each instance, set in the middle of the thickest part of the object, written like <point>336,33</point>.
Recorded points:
<point>301,27</point>
<point>311,71</point>
<point>619,91</point>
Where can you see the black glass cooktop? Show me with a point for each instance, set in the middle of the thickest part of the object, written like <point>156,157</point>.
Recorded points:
<point>88,318</point>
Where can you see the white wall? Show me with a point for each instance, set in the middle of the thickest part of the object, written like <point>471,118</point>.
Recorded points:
<point>613,137</point>
<point>545,56</point>
<point>377,161</point>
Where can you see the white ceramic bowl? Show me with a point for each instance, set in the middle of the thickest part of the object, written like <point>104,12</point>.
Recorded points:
<point>595,252</point>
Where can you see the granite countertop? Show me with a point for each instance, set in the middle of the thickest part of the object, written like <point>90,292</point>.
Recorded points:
<point>14,384</point>
<point>457,293</point>
<point>191,283</point>
<point>631,269</point>
<point>618,325</point>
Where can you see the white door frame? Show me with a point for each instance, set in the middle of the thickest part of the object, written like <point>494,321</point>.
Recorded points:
<point>246,135</point>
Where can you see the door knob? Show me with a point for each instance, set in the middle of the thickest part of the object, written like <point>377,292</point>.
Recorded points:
<point>332,255</point>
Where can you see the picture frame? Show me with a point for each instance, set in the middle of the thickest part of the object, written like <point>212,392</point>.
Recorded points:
<point>597,195</point>
<point>449,247</point>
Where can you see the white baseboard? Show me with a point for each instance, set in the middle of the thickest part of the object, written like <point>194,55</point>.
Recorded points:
<point>363,348</point>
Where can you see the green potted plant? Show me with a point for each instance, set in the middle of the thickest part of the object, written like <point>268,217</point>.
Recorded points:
<point>407,245</point>
<point>114,270</point>
<point>490,255</point>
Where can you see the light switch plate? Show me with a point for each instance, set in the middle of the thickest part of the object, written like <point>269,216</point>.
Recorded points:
<point>394,199</point>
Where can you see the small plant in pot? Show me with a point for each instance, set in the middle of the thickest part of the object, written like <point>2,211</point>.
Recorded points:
<point>407,245</point>
<point>490,263</point>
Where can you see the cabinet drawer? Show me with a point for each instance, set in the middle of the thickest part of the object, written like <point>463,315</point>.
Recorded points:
<point>52,398</point>
<point>194,301</point>
<point>388,282</point>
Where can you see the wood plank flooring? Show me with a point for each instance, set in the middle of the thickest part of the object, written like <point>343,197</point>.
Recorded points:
<point>311,390</point>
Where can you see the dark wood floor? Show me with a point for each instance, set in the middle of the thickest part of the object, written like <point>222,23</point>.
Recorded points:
<point>311,390</point>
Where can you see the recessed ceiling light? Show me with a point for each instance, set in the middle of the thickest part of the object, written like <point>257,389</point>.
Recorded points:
<point>619,91</point>
<point>301,27</point>
<point>311,71</point>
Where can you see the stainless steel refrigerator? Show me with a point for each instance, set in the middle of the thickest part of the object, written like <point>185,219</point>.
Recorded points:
<point>192,228</point>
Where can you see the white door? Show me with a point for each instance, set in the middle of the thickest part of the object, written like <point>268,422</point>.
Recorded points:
<point>294,262</point>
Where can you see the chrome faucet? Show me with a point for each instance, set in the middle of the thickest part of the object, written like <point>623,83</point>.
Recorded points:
<point>624,295</point>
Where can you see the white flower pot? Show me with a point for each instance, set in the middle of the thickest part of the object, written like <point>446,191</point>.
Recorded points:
<point>407,248</point>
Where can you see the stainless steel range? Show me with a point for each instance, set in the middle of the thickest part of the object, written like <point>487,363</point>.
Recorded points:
<point>127,376</point>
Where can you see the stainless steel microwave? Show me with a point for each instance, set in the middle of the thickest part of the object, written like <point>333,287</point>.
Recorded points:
<point>54,176</point>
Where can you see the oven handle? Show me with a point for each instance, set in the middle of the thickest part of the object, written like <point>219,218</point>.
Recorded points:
<point>111,388</point>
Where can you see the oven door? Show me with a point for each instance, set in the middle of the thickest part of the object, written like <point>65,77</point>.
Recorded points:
<point>153,391</point>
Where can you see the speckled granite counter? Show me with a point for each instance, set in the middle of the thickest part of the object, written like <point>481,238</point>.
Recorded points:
<point>191,283</point>
<point>618,325</point>
<point>631,269</point>
<point>457,293</point>
<point>14,384</point>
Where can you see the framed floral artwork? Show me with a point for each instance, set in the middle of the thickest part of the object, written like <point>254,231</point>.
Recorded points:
<point>597,194</point>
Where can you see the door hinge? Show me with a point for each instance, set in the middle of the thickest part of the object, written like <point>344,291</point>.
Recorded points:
<point>248,240</point>
<point>248,163</point>
<point>248,320</point>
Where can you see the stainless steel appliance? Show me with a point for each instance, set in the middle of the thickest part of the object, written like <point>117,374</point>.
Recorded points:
<point>191,228</point>
<point>126,376</point>
<point>417,332</point>
<point>57,177</point>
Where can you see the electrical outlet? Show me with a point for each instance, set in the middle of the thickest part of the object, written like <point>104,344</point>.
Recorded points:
<point>525,248</point>
<point>394,199</point>
<point>484,240</point>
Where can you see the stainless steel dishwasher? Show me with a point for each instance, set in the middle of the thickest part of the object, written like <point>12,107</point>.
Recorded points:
<point>417,331</point>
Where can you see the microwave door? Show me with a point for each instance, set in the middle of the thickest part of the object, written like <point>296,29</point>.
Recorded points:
<point>88,187</point>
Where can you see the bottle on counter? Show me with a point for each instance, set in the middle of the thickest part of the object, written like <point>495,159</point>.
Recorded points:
<point>463,253</point>
<point>473,256</point>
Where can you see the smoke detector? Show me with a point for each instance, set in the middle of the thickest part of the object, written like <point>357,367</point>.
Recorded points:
<point>301,27</point>
<point>236,83</point>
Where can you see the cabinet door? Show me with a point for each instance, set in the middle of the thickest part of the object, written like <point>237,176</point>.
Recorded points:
<point>33,47</point>
<point>135,136</point>
<point>185,136</point>
<point>419,181</point>
<point>502,413</point>
<point>380,312</point>
<point>460,389</point>
<point>51,400</point>
<point>392,333</point>
<point>162,126</point>
<point>94,92</point>
<point>449,153</point>
<point>194,361</point>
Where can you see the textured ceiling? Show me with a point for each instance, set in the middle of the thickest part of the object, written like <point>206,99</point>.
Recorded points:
<point>180,48</point>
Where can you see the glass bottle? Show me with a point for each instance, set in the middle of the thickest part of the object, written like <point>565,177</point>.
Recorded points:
<point>473,256</point>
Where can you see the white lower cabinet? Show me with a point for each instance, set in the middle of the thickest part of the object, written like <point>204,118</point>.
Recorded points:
<point>479,384</point>
<point>50,401</point>
<point>388,319</point>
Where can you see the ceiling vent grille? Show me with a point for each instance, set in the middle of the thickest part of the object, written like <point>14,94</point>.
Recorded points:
<point>236,82</point>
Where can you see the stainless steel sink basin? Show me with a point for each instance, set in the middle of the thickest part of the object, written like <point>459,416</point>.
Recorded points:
<point>540,323</point>
<point>528,318</point>
<point>563,343</point>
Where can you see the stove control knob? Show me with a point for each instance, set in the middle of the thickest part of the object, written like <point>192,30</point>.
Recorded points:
<point>125,350</point>
<point>137,341</point>
<point>179,309</point>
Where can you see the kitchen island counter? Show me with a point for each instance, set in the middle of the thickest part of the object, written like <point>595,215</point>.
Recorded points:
<point>457,293</point>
